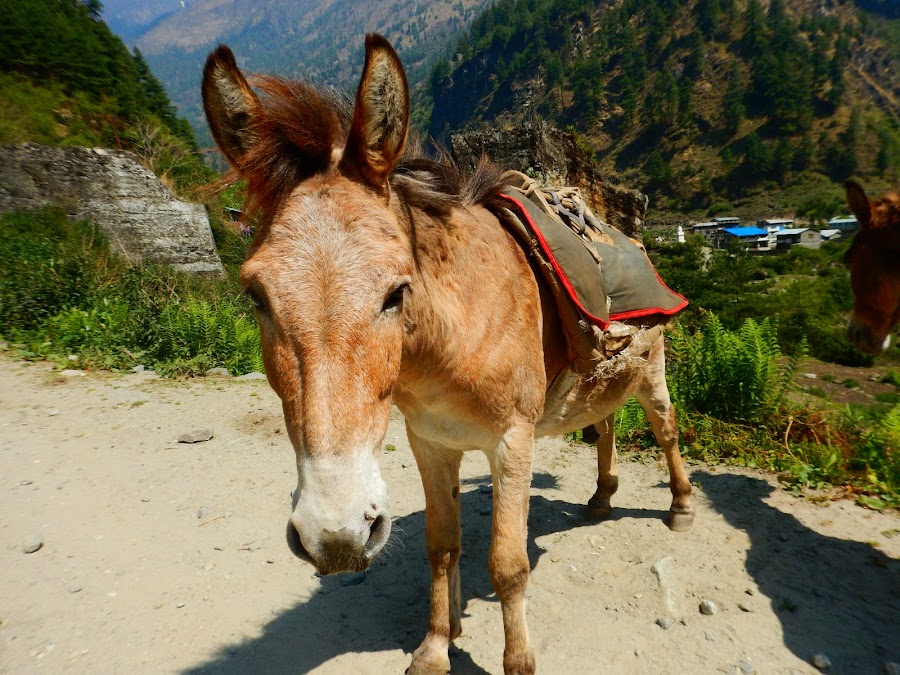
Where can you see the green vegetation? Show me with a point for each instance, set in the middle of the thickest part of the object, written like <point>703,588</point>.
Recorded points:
<point>65,79</point>
<point>731,389</point>
<point>805,292</point>
<point>695,101</point>
<point>62,293</point>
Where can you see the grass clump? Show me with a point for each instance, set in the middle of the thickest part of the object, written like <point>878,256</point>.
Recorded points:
<point>63,292</point>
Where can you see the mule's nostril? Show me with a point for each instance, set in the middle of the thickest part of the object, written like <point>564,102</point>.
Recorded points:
<point>377,533</point>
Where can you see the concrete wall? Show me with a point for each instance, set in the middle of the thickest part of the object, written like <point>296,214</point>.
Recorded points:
<point>143,221</point>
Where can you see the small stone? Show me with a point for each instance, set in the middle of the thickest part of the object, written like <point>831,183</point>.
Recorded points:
<point>138,369</point>
<point>52,413</point>
<point>179,605</point>
<point>72,357</point>
<point>744,607</point>
<point>25,482</point>
<point>486,489</point>
<point>33,543</point>
<point>745,667</point>
<point>72,373</point>
<point>197,436</point>
<point>145,499</point>
<point>708,607</point>
<point>217,372</point>
<point>810,376</point>
<point>204,512</point>
<point>251,376</point>
<point>354,579</point>
<point>75,588</point>
<point>749,591</point>
<point>486,511</point>
<point>710,636</point>
<point>665,622</point>
<point>821,662</point>
<point>271,562</point>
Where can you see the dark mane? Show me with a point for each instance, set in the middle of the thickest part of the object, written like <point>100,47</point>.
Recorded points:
<point>294,139</point>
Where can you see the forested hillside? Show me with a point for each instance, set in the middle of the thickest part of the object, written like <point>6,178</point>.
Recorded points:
<point>66,79</point>
<point>702,103</point>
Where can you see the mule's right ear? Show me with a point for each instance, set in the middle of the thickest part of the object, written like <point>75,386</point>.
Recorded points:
<point>859,203</point>
<point>230,105</point>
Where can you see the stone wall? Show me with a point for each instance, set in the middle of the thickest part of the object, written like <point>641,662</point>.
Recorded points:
<point>143,221</point>
<point>554,158</point>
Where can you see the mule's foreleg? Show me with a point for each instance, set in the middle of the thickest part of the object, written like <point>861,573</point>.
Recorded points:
<point>439,469</point>
<point>508,563</point>
<point>653,395</point>
<point>607,472</point>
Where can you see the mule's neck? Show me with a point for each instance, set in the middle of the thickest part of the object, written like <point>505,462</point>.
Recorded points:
<point>473,318</point>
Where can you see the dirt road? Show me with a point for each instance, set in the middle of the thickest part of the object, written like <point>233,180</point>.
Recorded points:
<point>165,557</point>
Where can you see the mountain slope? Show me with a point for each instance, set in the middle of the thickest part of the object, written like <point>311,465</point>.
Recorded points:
<point>317,39</point>
<point>694,101</point>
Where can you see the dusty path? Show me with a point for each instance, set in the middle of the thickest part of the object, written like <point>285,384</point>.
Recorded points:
<point>130,579</point>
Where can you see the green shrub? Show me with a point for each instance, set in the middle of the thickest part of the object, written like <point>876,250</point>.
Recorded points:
<point>63,292</point>
<point>733,376</point>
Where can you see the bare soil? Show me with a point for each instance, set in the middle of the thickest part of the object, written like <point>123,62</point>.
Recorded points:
<point>167,557</point>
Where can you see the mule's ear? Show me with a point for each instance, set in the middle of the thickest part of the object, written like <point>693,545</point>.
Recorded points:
<point>230,105</point>
<point>380,126</point>
<point>859,203</point>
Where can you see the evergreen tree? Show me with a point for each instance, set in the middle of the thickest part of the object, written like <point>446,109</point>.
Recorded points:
<point>657,169</point>
<point>755,39</point>
<point>783,158</point>
<point>685,103</point>
<point>757,157</point>
<point>693,67</point>
<point>707,13</point>
<point>804,155</point>
<point>733,103</point>
<point>661,103</point>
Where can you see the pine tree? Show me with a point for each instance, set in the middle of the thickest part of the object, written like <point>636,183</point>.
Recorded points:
<point>733,104</point>
<point>707,12</point>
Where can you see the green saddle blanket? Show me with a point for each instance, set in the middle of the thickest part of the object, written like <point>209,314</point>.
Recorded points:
<point>597,274</point>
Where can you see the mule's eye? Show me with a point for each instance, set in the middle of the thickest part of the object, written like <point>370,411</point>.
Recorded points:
<point>256,299</point>
<point>394,301</point>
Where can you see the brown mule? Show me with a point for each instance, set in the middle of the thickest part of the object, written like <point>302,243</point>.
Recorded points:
<point>380,277</point>
<point>874,260</point>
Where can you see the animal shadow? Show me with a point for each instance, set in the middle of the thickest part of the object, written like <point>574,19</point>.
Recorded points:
<point>832,596</point>
<point>387,607</point>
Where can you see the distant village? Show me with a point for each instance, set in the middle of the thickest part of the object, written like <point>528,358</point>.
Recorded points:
<point>771,234</point>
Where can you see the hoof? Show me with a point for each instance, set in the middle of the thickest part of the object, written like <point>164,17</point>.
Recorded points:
<point>680,521</point>
<point>519,664</point>
<point>598,509</point>
<point>598,512</point>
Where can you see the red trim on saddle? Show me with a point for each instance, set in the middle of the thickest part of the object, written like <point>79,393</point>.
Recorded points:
<point>564,280</point>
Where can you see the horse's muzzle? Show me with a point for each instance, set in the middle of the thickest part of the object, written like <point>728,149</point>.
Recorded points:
<point>862,338</point>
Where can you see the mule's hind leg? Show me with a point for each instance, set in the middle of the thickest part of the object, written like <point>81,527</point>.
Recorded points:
<point>599,506</point>
<point>653,395</point>
<point>439,469</point>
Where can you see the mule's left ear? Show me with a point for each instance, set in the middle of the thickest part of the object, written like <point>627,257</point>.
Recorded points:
<point>859,203</point>
<point>380,126</point>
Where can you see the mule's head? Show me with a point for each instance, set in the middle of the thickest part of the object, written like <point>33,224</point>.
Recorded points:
<point>328,271</point>
<point>874,259</point>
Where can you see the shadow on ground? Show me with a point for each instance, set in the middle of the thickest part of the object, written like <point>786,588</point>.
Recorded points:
<point>832,596</point>
<point>387,608</point>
